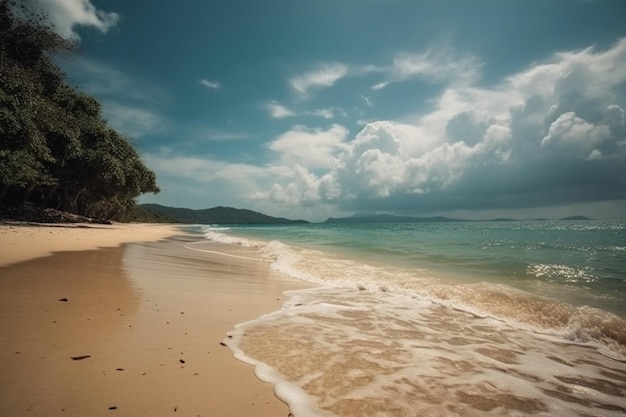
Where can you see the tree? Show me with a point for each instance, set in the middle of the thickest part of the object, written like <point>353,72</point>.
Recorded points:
<point>56,150</point>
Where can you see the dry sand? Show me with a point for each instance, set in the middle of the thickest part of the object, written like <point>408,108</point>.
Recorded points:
<point>148,318</point>
<point>19,242</point>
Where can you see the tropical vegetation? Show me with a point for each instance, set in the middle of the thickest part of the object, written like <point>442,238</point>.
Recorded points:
<point>56,149</point>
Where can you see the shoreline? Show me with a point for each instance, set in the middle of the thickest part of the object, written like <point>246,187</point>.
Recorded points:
<point>148,318</point>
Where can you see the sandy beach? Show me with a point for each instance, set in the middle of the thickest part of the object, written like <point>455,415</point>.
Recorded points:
<point>92,327</point>
<point>20,241</point>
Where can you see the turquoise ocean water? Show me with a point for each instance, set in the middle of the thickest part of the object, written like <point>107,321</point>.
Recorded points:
<point>460,318</point>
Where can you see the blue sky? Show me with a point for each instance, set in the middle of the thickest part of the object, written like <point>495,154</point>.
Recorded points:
<point>318,108</point>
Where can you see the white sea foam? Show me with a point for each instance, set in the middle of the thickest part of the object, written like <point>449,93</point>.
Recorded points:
<point>372,353</point>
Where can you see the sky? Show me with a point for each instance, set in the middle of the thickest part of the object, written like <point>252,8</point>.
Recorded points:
<point>308,109</point>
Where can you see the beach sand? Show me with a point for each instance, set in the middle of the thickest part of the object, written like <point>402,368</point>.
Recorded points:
<point>131,330</point>
<point>20,241</point>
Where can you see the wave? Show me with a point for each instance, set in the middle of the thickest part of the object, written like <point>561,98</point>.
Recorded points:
<point>544,316</point>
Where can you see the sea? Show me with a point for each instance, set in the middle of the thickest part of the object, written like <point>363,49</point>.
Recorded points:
<point>508,318</point>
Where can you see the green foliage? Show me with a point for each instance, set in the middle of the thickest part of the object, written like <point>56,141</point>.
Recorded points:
<point>56,150</point>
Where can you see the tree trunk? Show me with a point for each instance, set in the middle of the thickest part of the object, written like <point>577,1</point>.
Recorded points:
<point>4,191</point>
<point>46,200</point>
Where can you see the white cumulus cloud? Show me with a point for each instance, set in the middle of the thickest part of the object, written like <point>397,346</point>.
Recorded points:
<point>67,14</point>
<point>572,136</point>
<point>533,139</point>
<point>311,148</point>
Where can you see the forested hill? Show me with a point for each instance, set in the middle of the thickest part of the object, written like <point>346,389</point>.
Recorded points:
<point>215,215</point>
<point>56,149</point>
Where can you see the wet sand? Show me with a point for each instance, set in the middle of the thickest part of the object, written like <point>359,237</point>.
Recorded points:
<point>128,331</point>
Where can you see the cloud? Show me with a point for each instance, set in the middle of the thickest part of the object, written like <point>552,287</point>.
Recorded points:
<point>298,147</point>
<point>570,135</point>
<point>367,100</point>
<point>212,178</point>
<point>203,170</point>
<point>551,134</point>
<point>278,111</point>
<point>209,134</point>
<point>329,113</point>
<point>211,85</point>
<point>311,148</point>
<point>305,189</point>
<point>324,113</point>
<point>380,85</point>
<point>325,75</point>
<point>207,180</point>
<point>67,14</point>
<point>436,65</point>
<point>182,175</point>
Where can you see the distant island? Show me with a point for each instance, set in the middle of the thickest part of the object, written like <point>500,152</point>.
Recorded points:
<point>576,218</point>
<point>390,218</point>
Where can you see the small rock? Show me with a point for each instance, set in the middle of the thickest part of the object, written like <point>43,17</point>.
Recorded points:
<point>65,300</point>
<point>80,358</point>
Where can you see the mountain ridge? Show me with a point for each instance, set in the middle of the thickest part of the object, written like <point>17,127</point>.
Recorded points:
<point>215,215</point>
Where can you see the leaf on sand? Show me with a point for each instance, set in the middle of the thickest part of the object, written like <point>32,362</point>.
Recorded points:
<point>80,358</point>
